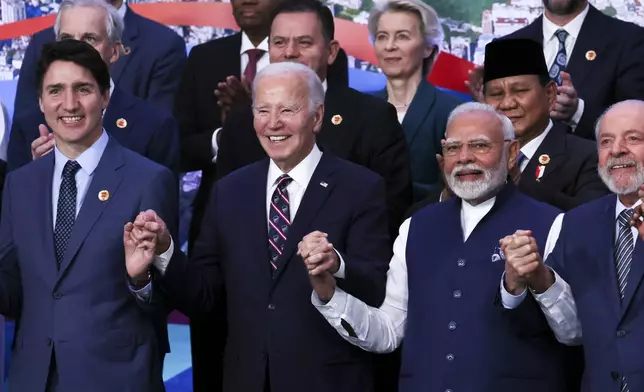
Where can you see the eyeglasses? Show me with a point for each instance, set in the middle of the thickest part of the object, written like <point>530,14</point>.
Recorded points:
<point>479,147</point>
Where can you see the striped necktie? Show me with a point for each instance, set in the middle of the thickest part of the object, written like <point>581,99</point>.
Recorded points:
<point>623,258</point>
<point>279,220</point>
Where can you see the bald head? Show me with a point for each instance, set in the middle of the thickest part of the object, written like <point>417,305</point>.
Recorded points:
<point>631,109</point>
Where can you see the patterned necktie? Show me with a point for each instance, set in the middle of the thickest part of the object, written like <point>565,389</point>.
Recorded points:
<point>251,69</point>
<point>66,212</point>
<point>520,159</point>
<point>623,257</point>
<point>561,59</point>
<point>279,220</point>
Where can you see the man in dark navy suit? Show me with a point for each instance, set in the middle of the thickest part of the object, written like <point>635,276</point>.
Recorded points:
<point>153,57</point>
<point>133,122</point>
<point>262,220</point>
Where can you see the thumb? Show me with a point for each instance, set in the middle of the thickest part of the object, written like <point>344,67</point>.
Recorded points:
<point>523,232</point>
<point>566,80</point>
<point>42,129</point>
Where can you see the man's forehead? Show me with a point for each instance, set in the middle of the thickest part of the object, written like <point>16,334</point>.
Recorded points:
<point>295,23</point>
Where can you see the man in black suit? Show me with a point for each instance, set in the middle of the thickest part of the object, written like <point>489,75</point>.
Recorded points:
<point>555,167</point>
<point>603,60</point>
<point>358,127</point>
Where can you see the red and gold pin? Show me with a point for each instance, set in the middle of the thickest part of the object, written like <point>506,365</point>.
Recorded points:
<point>121,123</point>
<point>126,50</point>
<point>591,55</point>
<point>544,159</point>
<point>336,120</point>
<point>103,195</point>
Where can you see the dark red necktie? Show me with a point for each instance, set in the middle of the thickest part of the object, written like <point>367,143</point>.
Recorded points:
<point>251,69</point>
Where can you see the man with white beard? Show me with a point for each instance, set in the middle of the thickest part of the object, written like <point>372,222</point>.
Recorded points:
<point>443,281</point>
<point>592,278</point>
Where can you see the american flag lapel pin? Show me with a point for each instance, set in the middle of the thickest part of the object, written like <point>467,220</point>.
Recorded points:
<point>324,184</point>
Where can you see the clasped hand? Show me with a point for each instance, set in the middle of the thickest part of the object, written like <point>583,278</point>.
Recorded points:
<point>144,239</point>
<point>523,263</point>
<point>321,261</point>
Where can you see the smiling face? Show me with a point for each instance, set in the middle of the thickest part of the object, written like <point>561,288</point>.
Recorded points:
<point>621,148</point>
<point>88,24</point>
<point>475,156</point>
<point>284,122</point>
<point>72,104</point>
<point>399,44</point>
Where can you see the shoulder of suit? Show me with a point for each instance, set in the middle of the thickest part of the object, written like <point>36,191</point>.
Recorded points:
<point>536,206</point>
<point>150,111</point>
<point>217,45</point>
<point>367,101</point>
<point>140,166</point>
<point>591,208</point>
<point>46,35</point>
<point>581,146</point>
<point>154,29</point>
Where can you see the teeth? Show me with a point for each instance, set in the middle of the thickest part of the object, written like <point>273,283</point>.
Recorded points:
<point>277,138</point>
<point>70,119</point>
<point>621,166</point>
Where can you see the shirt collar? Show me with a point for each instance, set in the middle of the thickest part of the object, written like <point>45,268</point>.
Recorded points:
<point>121,11</point>
<point>301,173</point>
<point>572,28</point>
<point>619,207</point>
<point>486,205</point>
<point>531,147</point>
<point>111,87</point>
<point>246,45</point>
<point>88,160</point>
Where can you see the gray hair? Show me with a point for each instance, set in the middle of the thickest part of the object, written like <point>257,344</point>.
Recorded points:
<point>471,107</point>
<point>114,24</point>
<point>634,102</point>
<point>430,24</point>
<point>315,88</point>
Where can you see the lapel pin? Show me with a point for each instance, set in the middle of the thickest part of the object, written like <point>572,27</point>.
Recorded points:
<point>540,170</point>
<point>336,120</point>
<point>544,159</point>
<point>126,50</point>
<point>591,55</point>
<point>121,123</point>
<point>324,184</point>
<point>103,195</point>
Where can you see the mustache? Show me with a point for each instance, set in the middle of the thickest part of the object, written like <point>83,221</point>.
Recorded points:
<point>612,162</point>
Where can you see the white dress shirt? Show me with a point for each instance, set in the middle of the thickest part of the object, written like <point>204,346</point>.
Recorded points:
<point>215,145</point>
<point>382,329</point>
<point>532,146</point>
<point>5,130</point>
<point>246,45</point>
<point>557,303</point>
<point>551,47</point>
<point>121,11</point>
<point>301,175</point>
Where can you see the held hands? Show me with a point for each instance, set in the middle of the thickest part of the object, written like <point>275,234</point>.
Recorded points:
<point>144,239</point>
<point>44,144</point>
<point>232,92</point>
<point>638,214</point>
<point>567,100</point>
<point>523,264</point>
<point>475,83</point>
<point>321,261</point>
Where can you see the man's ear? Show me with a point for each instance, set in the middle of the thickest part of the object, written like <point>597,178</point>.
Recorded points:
<point>334,48</point>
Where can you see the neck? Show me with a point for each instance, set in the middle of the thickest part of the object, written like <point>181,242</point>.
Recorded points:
<point>401,91</point>
<point>257,36</point>
<point>530,134</point>
<point>74,150</point>
<point>117,3</point>
<point>562,20</point>
<point>629,200</point>
<point>289,164</point>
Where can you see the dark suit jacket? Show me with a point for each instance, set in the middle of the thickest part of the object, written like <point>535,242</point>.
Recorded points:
<point>150,71</point>
<point>150,131</point>
<point>369,135</point>
<point>271,319</point>
<point>103,337</point>
<point>616,74</point>
<point>570,178</point>
<point>424,126</point>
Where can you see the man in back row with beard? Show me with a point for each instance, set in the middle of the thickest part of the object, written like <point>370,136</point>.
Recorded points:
<point>446,302</point>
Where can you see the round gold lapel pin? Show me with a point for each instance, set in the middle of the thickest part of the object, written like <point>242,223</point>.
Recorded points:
<point>336,120</point>
<point>544,159</point>
<point>121,123</point>
<point>103,195</point>
<point>127,50</point>
<point>591,55</point>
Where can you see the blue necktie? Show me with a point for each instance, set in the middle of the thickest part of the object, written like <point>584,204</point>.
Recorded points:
<point>561,59</point>
<point>520,159</point>
<point>623,258</point>
<point>66,211</point>
<point>279,220</point>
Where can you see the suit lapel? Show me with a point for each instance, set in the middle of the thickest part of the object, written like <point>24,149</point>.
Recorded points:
<point>606,225</point>
<point>130,45</point>
<point>554,147</point>
<point>106,177</point>
<point>116,120</point>
<point>591,37</point>
<point>44,209</point>
<point>234,63</point>
<point>312,202</point>
<point>534,30</point>
<point>635,275</point>
<point>256,216</point>
<point>420,107</point>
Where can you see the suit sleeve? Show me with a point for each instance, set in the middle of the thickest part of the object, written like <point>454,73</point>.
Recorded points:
<point>164,148</point>
<point>196,285</point>
<point>19,150</point>
<point>195,142</point>
<point>164,81</point>
<point>390,159</point>
<point>27,90</point>
<point>10,280</point>
<point>368,249</point>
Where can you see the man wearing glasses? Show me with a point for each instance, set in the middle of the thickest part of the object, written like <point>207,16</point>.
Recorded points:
<point>443,282</point>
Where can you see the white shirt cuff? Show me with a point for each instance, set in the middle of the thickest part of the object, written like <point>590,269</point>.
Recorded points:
<point>335,308</point>
<point>215,146</point>
<point>340,272</point>
<point>548,298</point>
<point>574,121</point>
<point>508,300</point>
<point>161,261</point>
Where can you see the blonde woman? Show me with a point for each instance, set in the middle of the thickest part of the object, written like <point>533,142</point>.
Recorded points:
<point>406,36</point>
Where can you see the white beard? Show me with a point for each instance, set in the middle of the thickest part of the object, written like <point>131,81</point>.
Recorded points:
<point>472,191</point>
<point>632,185</point>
